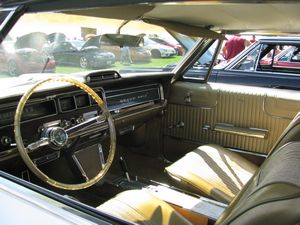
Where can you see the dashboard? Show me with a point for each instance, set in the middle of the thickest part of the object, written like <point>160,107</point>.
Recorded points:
<point>130,101</point>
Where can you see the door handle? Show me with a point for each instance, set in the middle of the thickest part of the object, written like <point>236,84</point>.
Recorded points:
<point>249,132</point>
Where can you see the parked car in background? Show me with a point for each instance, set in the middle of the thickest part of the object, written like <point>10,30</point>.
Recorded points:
<point>285,56</point>
<point>257,66</point>
<point>107,42</point>
<point>65,53</point>
<point>22,57</point>
<point>158,50</point>
<point>56,37</point>
<point>179,49</point>
<point>77,43</point>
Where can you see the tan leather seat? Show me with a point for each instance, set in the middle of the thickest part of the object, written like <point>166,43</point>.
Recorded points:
<point>219,172</point>
<point>141,207</point>
<point>272,196</point>
<point>214,171</point>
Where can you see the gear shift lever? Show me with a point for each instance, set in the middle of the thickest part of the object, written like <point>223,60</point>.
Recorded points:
<point>124,168</point>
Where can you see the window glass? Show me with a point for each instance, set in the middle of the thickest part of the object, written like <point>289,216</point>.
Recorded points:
<point>280,58</point>
<point>270,51</point>
<point>285,56</point>
<point>248,63</point>
<point>199,69</point>
<point>3,14</point>
<point>296,56</point>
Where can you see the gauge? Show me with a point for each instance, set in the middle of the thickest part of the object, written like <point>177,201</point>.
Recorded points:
<point>67,104</point>
<point>82,100</point>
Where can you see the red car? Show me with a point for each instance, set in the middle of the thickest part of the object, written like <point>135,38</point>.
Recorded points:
<point>287,58</point>
<point>179,49</point>
<point>18,58</point>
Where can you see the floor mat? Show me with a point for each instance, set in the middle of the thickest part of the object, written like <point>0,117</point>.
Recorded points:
<point>142,166</point>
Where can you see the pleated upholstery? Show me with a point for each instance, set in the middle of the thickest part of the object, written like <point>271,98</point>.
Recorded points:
<point>213,170</point>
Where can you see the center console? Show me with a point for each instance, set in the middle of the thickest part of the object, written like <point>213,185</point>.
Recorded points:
<point>197,209</point>
<point>200,205</point>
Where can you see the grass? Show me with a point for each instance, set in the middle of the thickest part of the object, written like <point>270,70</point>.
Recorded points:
<point>69,69</point>
<point>155,63</point>
<point>4,75</point>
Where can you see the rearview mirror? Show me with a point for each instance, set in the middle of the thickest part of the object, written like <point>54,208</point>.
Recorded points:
<point>114,40</point>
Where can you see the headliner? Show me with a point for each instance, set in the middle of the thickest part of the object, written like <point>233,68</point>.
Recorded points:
<point>233,17</point>
<point>223,16</point>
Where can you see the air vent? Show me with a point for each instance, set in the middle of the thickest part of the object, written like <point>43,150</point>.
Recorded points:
<point>103,75</point>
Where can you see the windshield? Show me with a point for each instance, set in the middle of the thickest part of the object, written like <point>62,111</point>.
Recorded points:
<point>64,44</point>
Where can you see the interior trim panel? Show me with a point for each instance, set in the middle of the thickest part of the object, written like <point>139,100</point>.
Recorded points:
<point>240,106</point>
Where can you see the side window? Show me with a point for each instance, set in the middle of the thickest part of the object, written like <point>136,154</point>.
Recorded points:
<point>4,13</point>
<point>295,55</point>
<point>280,58</point>
<point>248,63</point>
<point>199,69</point>
<point>66,46</point>
<point>286,56</point>
<point>275,51</point>
<point>104,41</point>
<point>285,53</point>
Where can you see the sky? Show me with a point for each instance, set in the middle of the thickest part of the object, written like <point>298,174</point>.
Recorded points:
<point>70,25</point>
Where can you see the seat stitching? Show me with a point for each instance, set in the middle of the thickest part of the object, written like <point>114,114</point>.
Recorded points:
<point>275,199</point>
<point>137,211</point>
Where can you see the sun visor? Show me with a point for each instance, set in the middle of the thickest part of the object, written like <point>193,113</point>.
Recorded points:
<point>121,12</point>
<point>186,29</point>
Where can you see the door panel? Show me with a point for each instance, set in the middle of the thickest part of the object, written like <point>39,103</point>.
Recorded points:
<point>241,117</point>
<point>196,95</point>
<point>281,107</point>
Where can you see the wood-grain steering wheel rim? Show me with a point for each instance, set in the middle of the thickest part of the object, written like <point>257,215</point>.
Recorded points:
<point>24,153</point>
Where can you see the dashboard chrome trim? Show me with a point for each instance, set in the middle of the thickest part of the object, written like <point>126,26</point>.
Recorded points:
<point>121,113</point>
<point>33,119</point>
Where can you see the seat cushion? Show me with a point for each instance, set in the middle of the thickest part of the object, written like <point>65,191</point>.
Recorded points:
<point>139,206</point>
<point>214,171</point>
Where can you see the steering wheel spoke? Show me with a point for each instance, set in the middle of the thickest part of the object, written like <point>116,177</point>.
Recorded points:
<point>80,168</point>
<point>35,145</point>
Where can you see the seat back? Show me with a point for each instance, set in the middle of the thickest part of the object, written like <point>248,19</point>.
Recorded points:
<point>272,196</point>
<point>291,133</point>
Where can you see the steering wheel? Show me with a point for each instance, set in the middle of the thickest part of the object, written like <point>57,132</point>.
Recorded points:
<point>58,137</point>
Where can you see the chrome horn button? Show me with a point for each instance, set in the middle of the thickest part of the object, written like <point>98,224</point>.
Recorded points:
<point>58,136</point>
